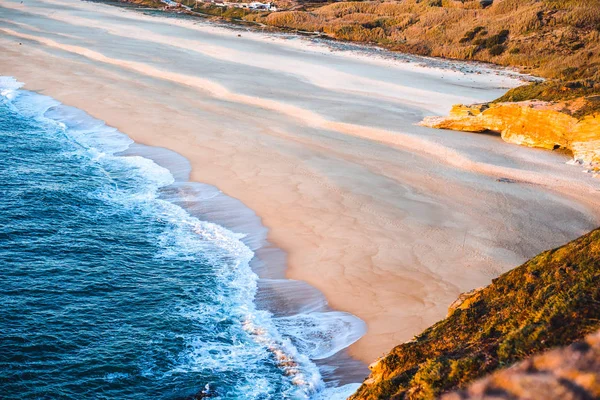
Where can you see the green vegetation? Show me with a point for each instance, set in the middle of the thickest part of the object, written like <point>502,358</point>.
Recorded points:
<point>546,32</point>
<point>556,39</point>
<point>147,3</point>
<point>229,13</point>
<point>551,300</point>
<point>470,35</point>
<point>580,97</point>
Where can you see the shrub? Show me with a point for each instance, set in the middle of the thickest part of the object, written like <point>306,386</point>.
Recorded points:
<point>496,39</point>
<point>470,35</point>
<point>497,50</point>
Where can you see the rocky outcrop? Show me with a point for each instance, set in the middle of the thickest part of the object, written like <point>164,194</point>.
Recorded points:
<point>550,301</point>
<point>463,301</point>
<point>529,123</point>
<point>571,373</point>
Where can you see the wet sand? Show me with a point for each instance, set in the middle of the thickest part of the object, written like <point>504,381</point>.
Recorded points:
<point>391,221</point>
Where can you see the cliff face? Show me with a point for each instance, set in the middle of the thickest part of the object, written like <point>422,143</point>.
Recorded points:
<point>551,300</point>
<point>569,373</point>
<point>530,123</point>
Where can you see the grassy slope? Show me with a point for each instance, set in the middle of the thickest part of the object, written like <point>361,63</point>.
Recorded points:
<point>555,39</point>
<point>551,300</point>
<point>567,373</point>
<point>148,3</point>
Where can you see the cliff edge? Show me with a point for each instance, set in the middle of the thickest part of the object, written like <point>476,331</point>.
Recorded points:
<point>552,300</point>
<point>570,373</point>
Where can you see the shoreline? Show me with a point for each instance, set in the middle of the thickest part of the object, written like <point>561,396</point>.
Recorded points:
<point>257,27</point>
<point>316,217</point>
<point>294,302</point>
<point>353,48</point>
<point>281,296</point>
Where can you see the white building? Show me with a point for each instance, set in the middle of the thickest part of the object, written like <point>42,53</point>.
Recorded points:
<point>262,6</point>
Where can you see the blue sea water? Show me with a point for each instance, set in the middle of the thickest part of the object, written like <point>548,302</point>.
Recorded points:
<point>109,291</point>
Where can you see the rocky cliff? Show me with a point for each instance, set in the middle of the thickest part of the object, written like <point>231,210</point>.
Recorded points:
<point>549,125</point>
<point>570,373</point>
<point>551,300</point>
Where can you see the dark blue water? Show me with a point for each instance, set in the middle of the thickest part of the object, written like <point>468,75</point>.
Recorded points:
<point>109,291</point>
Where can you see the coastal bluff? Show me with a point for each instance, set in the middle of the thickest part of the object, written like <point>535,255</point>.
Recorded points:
<point>550,301</point>
<point>533,123</point>
<point>568,373</point>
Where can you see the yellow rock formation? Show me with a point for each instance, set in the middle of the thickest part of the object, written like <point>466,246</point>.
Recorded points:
<point>531,123</point>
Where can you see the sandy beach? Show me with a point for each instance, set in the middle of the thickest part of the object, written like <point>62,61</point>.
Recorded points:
<point>391,221</point>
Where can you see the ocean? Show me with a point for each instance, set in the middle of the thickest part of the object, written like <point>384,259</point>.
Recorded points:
<point>111,289</point>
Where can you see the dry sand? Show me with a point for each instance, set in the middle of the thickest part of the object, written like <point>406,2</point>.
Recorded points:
<point>391,221</point>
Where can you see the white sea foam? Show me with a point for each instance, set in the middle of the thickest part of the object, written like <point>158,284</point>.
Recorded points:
<point>9,87</point>
<point>88,132</point>
<point>291,341</point>
<point>338,393</point>
<point>322,334</point>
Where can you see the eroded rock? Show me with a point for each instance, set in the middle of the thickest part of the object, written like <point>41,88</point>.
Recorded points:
<point>529,123</point>
<point>571,373</point>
